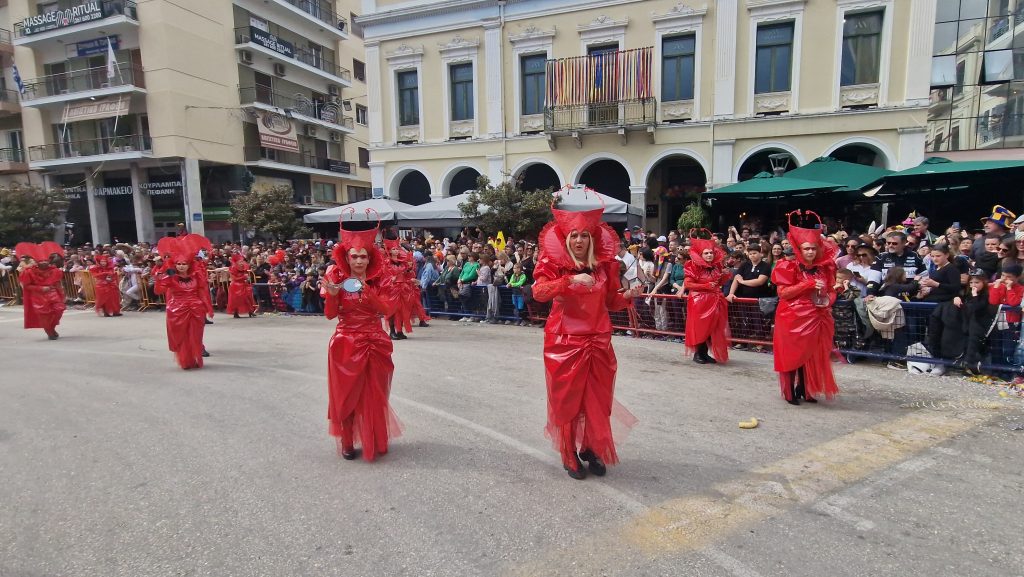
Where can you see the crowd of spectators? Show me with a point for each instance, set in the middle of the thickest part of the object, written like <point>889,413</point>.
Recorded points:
<point>968,274</point>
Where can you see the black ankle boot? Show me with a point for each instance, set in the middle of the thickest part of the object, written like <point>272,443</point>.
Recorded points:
<point>793,398</point>
<point>699,359</point>
<point>596,466</point>
<point>579,474</point>
<point>349,453</point>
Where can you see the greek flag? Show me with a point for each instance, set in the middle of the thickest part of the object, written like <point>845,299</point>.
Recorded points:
<point>17,80</point>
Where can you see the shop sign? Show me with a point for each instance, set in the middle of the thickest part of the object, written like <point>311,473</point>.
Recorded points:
<point>85,12</point>
<point>73,192</point>
<point>277,131</point>
<point>271,42</point>
<point>652,211</point>
<point>339,166</point>
<point>113,191</point>
<point>162,188</point>
<point>94,46</point>
<point>96,109</point>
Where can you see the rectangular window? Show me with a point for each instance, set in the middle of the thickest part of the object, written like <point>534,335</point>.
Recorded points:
<point>364,157</point>
<point>361,114</point>
<point>324,192</point>
<point>461,78</point>
<point>862,48</point>
<point>358,193</point>
<point>358,70</point>
<point>408,98</point>
<point>677,67</point>
<point>532,76</point>
<point>773,61</point>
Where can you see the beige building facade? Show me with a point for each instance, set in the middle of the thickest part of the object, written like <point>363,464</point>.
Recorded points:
<point>649,101</point>
<point>148,114</point>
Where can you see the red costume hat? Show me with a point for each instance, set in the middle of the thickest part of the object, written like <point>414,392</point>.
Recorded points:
<point>391,243</point>
<point>358,239</point>
<point>38,252</point>
<point>798,236</point>
<point>699,245</point>
<point>183,248</point>
<point>551,240</point>
<point>237,257</point>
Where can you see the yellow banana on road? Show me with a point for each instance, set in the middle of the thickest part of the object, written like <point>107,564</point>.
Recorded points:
<point>751,424</point>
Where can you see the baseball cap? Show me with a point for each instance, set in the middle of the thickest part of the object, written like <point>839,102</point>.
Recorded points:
<point>1020,220</point>
<point>662,239</point>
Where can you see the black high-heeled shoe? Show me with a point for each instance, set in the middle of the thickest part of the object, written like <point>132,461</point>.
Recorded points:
<point>596,466</point>
<point>349,453</point>
<point>579,474</point>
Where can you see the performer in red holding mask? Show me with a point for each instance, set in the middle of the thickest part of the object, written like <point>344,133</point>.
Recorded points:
<point>184,285</point>
<point>359,368</point>
<point>402,272</point>
<point>42,293</point>
<point>240,298</point>
<point>707,311</point>
<point>104,279</point>
<point>578,273</point>
<point>804,328</point>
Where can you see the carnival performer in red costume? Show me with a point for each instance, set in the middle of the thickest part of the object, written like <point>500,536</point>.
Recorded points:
<point>41,290</point>
<point>804,328</point>
<point>359,368</point>
<point>186,290</point>
<point>240,298</point>
<point>402,275</point>
<point>104,279</point>
<point>578,273</point>
<point>707,311</point>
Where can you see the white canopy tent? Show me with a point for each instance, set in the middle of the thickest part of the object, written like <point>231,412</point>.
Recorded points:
<point>445,213</point>
<point>386,209</point>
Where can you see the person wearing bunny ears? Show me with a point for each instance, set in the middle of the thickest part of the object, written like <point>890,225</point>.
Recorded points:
<point>804,328</point>
<point>357,291</point>
<point>41,288</point>
<point>577,272</point>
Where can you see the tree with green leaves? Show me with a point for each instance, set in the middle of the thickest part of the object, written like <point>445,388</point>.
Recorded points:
<point>29,213</point>
<point>270,211</point>
<point>507,208</point>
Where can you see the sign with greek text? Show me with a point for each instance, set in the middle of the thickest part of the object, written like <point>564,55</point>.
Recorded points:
<point>85,12</point>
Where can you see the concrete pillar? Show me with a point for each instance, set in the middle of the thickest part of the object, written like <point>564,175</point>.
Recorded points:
<point>911,152</point>
<point>494,82</point>
<point>98,219</point>
<point>722,158</point>
<point>638,198</point>
<point>377,177</point>
<point>373,92</point>
<point>192,196</point>
<point>726,17</point>
<point>143,204</point>
<point>919,53</point>
<point>496,168</point>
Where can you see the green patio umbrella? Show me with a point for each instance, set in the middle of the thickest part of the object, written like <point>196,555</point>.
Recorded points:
<point>854,177</point>
<point>765,186</point>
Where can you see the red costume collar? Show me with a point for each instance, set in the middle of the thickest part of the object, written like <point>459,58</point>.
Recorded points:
<point>359,239</point>
<point>183,248</point>
<point>827,248</point>
<point>38,252</point>
<point>551,241</point>
<point>697,248</point>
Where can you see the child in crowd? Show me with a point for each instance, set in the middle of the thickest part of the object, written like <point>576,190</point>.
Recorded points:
<point>516,282</point>
<point>1008,292</point>
<point>979,315</point>
<point>485,279</point>
<point>467,279</point>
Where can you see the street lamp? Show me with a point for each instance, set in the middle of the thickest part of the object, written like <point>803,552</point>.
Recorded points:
<point>780,162</point>
<point>59,228</point>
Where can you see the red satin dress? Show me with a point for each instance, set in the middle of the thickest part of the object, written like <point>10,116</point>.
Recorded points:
<point>108,294</point>
<point>402,291</point>
<point>240,298</point>
<point>707,311</point>
<point>579,361</point>
<point>804,332</point>
<point>188,303</point>
<point>359,367</point>
<point>43,298</point>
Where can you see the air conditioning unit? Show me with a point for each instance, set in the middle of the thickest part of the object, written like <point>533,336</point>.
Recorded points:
<point>307,200</point>
<point>245,57</point>
<point>311,130</point>
<point>335,136</point>
<point>279,69</point>
<point>333,90</point>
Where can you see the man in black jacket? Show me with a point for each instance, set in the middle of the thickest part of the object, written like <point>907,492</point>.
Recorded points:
<point>896,254</point>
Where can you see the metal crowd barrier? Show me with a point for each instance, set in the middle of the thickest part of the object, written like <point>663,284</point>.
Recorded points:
<point>10,288</point>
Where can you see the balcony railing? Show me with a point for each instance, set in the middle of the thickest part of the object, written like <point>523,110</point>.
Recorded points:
<point>12,155</point>
<point>601,115</point>
<point>329,112</point>
<point>94,147</point>
<point>126,74</point>
<point>283,47</point>
<point>304,160</point>
<point>9,96</point>
<point>5,36</point>
<point>321,11</point>
<point>108,8</point>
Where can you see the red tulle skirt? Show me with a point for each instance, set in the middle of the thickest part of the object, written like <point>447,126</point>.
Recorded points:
<point>580,372</point>
<point>108,299</point>
<point>707,318</point>
<point>185,325</point>
<point>240,299</point>
<point>803,340</point>
<point>359,371</point>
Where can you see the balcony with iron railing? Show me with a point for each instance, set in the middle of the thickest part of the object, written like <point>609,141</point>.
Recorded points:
<point>12,161</point>
<point>85,151</point>
<point>9,103</point>
<point>80,20</point>
<point>304,162</point>
<point>301,106</point>
<point>6,47</point>
<point>319,13</point>
<point>284,49</point>
<point>89,82</point>
<point>602,92</point>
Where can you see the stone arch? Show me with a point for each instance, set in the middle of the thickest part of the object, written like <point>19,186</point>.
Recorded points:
<point>454,174</point>
<point>798,158</point>
<point>395,191</point>
<point>885,158</point>
<point>597,157</point>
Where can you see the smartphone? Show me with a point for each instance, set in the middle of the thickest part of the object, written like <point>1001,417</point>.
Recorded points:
<point>956,225</point>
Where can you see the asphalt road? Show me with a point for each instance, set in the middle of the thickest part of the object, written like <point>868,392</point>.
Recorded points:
<point>113,462</point>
